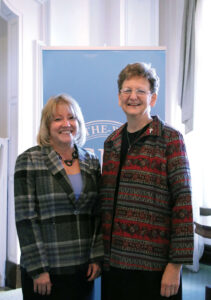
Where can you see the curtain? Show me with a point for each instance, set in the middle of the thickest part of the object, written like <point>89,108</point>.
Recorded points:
<point>187,64</point>
<point>177,34</point>
<point>198,140</point>
<point>203,104</point>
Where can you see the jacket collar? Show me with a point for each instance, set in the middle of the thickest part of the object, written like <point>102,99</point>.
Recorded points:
<point>51,160</point>
<point>55,166</point>
<point>154,129</point>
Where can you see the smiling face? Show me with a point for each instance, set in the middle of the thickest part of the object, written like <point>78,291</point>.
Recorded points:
<point>136,99</point>
<point>64,126</point>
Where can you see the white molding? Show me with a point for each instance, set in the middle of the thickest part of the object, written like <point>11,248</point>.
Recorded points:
<point>155,21</point>
<point>104,48</point>
<point>14,53</point>
<point>126,25</point>
<point>14,78</point>
<point>14,12</point>
<point>45,28</point>
<point>3,205</point>
<point>41,1</point>
<point>38,86</point>
<point>3,78</point>
<point>122,22</point>
<point>5,12</point>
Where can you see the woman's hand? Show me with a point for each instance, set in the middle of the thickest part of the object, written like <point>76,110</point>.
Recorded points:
<point>170,280</point>
<point>93,272</point>
<point>42,284</point>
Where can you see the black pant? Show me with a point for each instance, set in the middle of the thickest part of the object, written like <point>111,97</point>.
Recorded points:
<point>134,285</point>
<point>65,287</point>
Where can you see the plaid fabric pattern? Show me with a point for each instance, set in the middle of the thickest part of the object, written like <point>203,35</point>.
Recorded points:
<point>57,233</point>
<point>153,222</point>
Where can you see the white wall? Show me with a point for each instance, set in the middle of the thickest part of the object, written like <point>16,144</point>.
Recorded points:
<point>142,22</point>
<point>25,25</point>
<point>74,23</point>
<point>30,30</point>
<point>69,22</point>
<point>97,23</point>
<point>60,23</point>
<point>3,78</point>
<point>104,23</point>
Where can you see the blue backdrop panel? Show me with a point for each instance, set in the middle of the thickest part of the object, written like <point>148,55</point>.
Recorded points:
<point>90,76</point>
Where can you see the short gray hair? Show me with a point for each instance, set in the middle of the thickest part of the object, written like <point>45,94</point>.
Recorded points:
<point>140,70</point>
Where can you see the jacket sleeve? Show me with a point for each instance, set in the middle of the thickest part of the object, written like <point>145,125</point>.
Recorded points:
<point>97,252</point>
<point>181,246</point>
<point>33,256</point>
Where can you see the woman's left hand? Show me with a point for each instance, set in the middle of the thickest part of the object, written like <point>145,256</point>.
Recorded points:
<point>93,272</point>
<point>170,280</point>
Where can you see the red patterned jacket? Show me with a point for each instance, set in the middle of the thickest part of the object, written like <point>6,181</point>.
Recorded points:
<point>153,222</point>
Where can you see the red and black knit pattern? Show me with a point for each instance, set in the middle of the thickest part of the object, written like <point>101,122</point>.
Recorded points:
<point>153,222</point>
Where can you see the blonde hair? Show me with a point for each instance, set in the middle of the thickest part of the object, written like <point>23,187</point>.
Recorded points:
<point>43,137</point>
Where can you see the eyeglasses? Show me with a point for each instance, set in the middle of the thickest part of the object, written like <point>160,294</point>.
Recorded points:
<point>138,92</point>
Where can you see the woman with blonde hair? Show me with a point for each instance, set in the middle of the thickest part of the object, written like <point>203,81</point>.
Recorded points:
<point>57,207</point>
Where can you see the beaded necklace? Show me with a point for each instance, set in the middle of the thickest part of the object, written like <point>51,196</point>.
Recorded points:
<point>69,162</point>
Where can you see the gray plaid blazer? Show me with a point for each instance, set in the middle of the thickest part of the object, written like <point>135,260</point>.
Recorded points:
<point>57,233</point>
